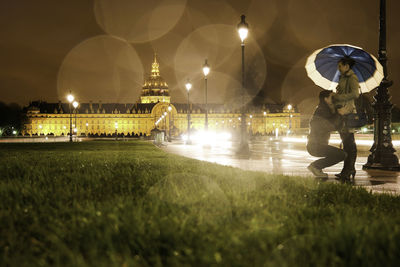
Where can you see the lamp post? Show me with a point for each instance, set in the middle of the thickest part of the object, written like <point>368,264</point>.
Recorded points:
<point>188,87</point>
<point>243,29</point>
<point>382,152</point>
<point>265,122</point>
<point>70,98</point>
<point>75,104</point>
<point>290,118</point>
<point>87,124</point>
<point>165,124</point>
<point>169,123</point>
<point>206,71</point>
<point>250,131</point>
<point>165,121</point>
<point>116,131</point>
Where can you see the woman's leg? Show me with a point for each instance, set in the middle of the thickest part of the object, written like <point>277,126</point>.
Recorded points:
<point>349,146</point>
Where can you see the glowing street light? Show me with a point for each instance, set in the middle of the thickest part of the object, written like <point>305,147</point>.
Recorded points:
<point>70,98</point>
<point>75,104</point>
<point>243,29</point>
<point>206,71</point>
<point>188,87</point>
<point>290,118</point>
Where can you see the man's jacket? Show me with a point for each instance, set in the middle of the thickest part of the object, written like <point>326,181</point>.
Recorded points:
<point>322,123</point>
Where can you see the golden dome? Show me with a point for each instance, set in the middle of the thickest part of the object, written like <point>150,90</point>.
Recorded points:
<point>155,89</point>
<point>155,81</point>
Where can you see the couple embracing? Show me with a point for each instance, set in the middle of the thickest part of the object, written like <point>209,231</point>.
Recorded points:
<point>329,116</point>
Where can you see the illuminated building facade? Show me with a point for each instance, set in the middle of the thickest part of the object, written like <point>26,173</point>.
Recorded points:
<point>139,119</point>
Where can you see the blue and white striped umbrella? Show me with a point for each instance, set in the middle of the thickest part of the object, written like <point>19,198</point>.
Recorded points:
<point>322,67</point>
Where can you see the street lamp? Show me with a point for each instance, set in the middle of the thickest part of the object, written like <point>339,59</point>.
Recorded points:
<point>188,87</point>
<point>116,130</point>
<point>382,152</point>
<point>75,104</point>
<point>206,71</point>
<point>243,29</point>
<point>165,121</point>
<point>250,130</point>
<point>70,98</point>
<point>290,117</point>
<point>265,121</point>
<point>169,123</point>
<point>87,124</point>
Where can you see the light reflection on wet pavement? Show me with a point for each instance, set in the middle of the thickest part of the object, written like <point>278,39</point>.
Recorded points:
<point>279,157</point>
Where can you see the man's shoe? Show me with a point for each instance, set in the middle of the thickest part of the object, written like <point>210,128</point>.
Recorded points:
<point>317,172</point>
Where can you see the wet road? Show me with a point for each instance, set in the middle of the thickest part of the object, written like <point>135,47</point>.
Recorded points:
<point>284,157</point>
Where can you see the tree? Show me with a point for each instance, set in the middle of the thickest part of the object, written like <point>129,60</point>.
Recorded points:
<point>12,117</point>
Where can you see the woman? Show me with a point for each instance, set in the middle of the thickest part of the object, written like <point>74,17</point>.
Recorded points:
<point>324,120</point>
<point>346,93</point>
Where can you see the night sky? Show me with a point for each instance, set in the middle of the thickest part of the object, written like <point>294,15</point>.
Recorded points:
<point>103,49</point>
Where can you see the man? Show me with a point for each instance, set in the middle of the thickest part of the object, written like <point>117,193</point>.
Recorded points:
<point>325,120</point>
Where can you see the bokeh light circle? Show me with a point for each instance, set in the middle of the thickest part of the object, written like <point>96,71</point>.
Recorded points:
<point>312,30</point>
<point>138,21</point>
<point>101,68</point>
<point>220,44</point>
<point>261,16</point>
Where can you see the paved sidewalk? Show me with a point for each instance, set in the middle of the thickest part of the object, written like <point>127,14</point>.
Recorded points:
<point>283,157</point>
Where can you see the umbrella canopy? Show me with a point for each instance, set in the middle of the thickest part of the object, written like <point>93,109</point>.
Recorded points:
<point>322,67</point>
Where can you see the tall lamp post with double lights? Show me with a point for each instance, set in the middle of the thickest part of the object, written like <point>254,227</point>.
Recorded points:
<point>243,29</point>
<point>75,104</point>
<point>382,152</point>
<point>206,71</point>
<point>70,99</point>
<point>169,123</point>
<point>188,87</point>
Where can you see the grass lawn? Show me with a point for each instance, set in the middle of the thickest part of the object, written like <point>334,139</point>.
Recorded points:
<point>106,203</point>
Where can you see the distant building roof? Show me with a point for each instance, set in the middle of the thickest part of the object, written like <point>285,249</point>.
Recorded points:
<point>120,108</point>
<point>90,108</point>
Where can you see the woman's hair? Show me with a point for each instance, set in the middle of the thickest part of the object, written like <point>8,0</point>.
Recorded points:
<point>324,94</point>
<point>346,60</point>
